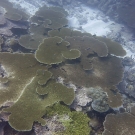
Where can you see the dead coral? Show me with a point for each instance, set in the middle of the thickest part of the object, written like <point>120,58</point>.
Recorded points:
<point>45,54</point>
<point>119,124</point>
<point>20,69</point>
<point>70,120</point>
<point>30,106</point>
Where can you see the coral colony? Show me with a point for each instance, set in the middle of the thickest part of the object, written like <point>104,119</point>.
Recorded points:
<point>31,93</point>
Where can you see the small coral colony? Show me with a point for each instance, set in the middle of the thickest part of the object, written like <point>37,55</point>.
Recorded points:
<point>39,60</point>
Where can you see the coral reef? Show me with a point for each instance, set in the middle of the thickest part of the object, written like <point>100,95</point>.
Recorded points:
<point>113,47</point>
<point>45,54</point>
<point>20,69</point>
<point>86,64</point>
<point>13,13</point>
<point>70,119</point>
<point>66,32</point>
<point>31,101</point>
<point>99,97</point>
<point>103,76</point>
<point>118,124</point>
<point>57,18</point>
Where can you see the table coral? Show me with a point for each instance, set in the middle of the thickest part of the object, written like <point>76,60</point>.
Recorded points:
<point>67,32</point>
<point>119,124</point>
<point>70,120</point>
<point>57,18</point>
<point>113,47</point>
<point>30,106</point>
<point>45,54</point>
<point>87,46</point>
<point>106,73</point>
<point>20,69</point>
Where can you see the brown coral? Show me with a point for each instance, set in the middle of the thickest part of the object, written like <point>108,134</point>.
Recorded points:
<point>119,124</point>
<point>106,73</point>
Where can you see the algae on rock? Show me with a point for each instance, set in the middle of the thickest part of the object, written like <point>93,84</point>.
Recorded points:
<point>70,120</point>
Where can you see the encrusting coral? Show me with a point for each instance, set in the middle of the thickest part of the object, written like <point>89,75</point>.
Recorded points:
<point>45,54</point>
<point>30,41</point>
<point>20,69</point>
<point>30,106</point>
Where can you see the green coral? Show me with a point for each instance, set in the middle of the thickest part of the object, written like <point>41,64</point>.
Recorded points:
<point>53,51</point>
<point>30,107</point>
<point>75,123</point>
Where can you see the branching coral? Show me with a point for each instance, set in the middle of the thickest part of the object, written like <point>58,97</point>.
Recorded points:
<point>31,104</point>
<point>20,69</point>
<point>45,54</point>
<point>119,124</point>
<point>30,41</point>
